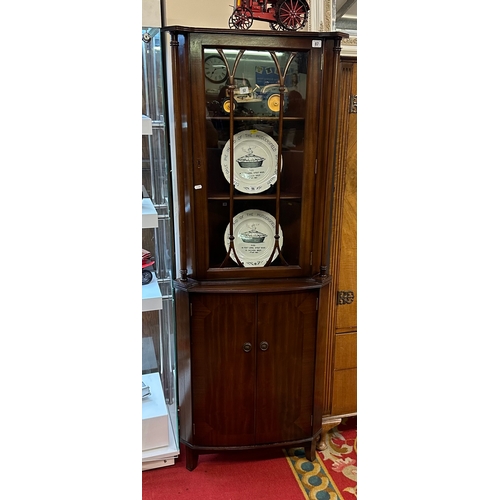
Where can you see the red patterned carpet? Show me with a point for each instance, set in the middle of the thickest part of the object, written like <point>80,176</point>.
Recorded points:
<point>263,474</point>
<point>341,458</point>
<point>333,475</point>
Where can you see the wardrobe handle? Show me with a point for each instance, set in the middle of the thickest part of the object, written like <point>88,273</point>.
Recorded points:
<point>264,346</point>
<point>247,347</point>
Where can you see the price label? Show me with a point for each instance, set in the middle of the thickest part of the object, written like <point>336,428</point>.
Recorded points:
<point>316,44</point>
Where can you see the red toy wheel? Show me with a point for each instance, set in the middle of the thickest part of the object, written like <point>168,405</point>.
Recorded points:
<point>292,14</point>
<point>241,18</point>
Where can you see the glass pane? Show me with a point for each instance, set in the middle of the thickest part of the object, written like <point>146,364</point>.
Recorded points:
<point>158,327</point>
<point>259,99</point>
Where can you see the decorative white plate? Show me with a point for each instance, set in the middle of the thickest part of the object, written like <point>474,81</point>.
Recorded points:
<point>255,161</point>
<point>254,237</point>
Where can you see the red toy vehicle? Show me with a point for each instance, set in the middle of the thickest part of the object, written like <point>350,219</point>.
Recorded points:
<point>280,14</point>
<point>147,261</point>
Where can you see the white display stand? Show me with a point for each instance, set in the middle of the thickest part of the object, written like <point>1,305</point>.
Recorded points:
<point>147,125</point>
<point>161,457</point>
<point>155,421</point>
<point>151,296</point>
<point>159,446</point>
<point>149,214</point>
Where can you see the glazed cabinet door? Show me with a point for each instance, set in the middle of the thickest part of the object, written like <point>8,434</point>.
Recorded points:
<point>223,358</point>
<point>255,133</point>
<point>286,343</point>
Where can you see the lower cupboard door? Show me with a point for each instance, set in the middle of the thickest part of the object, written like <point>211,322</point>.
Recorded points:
<point>286,340</point>
<point>223,369</point>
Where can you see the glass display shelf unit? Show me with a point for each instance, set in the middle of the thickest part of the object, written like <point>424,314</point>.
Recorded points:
<point>160,436</point>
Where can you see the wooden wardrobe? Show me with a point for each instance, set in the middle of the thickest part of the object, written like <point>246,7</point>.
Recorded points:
<point>341,357</point>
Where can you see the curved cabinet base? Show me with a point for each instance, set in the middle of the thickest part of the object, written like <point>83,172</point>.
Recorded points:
<point>193,452</point>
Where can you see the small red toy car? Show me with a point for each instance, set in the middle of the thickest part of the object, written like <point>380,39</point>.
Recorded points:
<point>147,261</point>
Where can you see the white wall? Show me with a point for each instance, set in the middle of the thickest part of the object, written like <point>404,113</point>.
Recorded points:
<point>151,16</point>
<point>202,13</point>
<point>196,13</point>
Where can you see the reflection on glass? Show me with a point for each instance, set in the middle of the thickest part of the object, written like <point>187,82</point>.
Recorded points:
<point>256,81</point>
<point>266,106</point>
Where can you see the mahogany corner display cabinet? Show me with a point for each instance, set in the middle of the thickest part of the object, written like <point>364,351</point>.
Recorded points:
<point>254,145</point>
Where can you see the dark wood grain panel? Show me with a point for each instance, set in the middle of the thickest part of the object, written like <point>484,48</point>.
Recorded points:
<point>223,374</point>
<point>285,373</point>
<point>184,364</point>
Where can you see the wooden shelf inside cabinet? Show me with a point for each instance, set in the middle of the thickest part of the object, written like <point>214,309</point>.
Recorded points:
<point>147,125</point>
<point>151,296</point>
<point>149,214</point>
<point>250,197</point>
